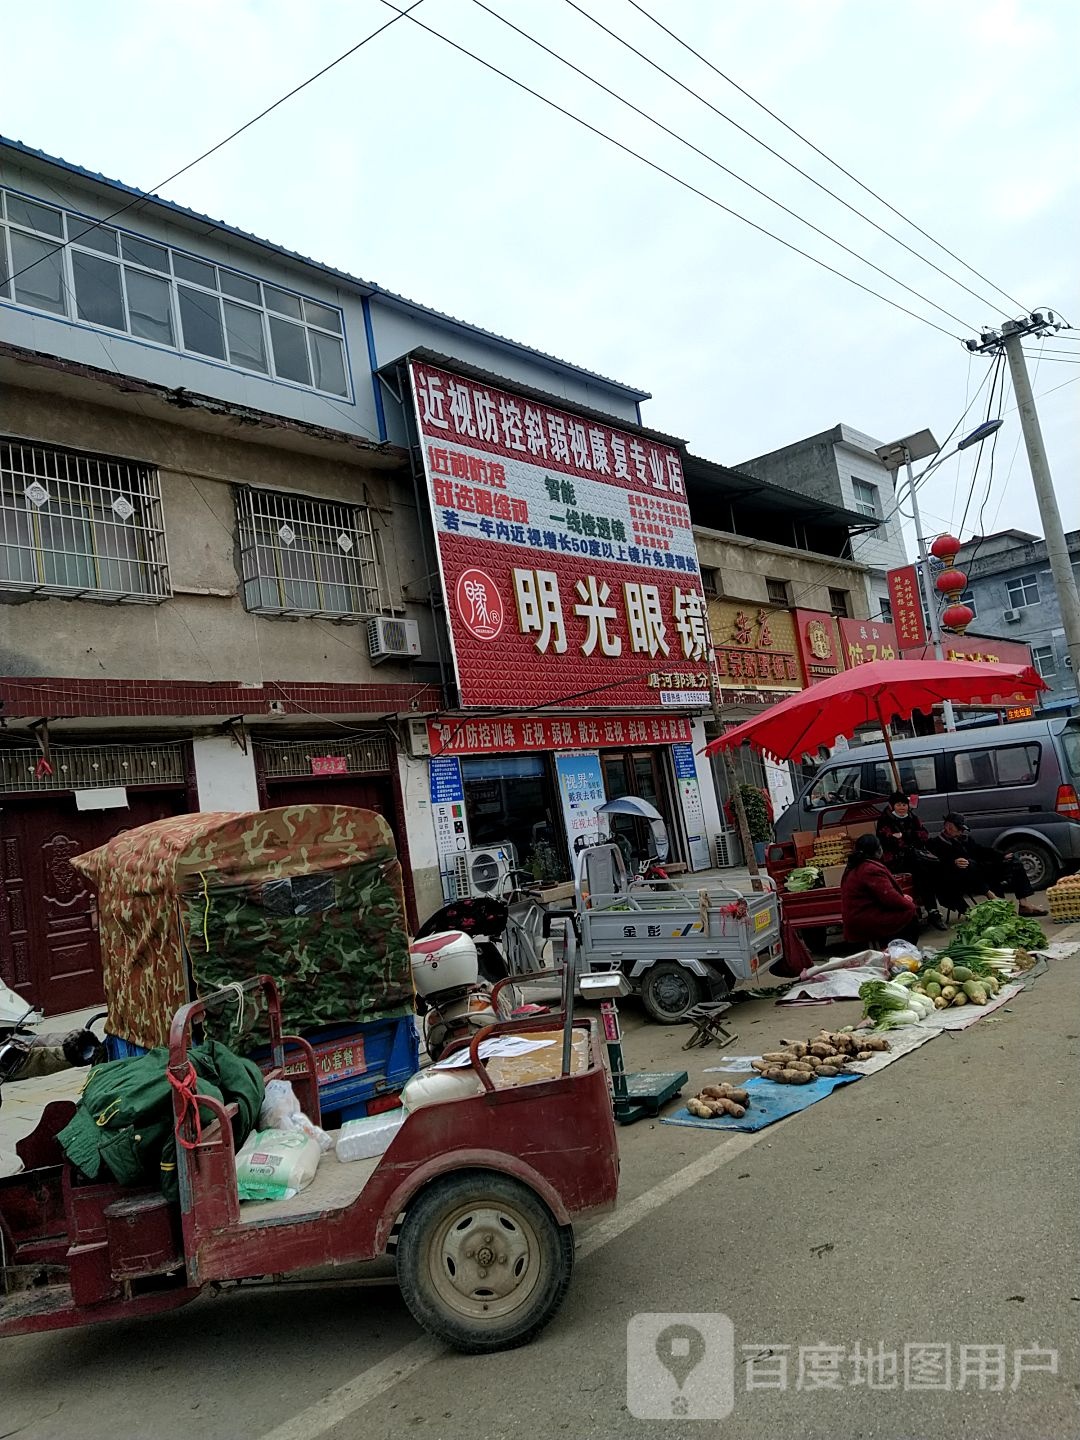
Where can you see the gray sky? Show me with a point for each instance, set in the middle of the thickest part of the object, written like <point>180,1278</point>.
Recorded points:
<point>411,165</point>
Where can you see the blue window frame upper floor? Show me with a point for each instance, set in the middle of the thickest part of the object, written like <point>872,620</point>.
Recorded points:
<point>57,261</point>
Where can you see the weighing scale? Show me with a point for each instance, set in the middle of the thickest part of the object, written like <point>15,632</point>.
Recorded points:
<point>636,1095</point>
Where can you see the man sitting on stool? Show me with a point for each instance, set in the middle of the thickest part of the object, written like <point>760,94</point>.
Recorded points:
<point>972,869</point>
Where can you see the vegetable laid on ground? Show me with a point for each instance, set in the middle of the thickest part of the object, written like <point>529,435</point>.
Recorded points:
<point>823,1057</point>
<point>714,1101</point>
<point>996,923</point>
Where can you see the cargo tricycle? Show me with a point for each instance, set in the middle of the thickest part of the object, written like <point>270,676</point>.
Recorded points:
<point>476,1197</point>
<point>677,947</point>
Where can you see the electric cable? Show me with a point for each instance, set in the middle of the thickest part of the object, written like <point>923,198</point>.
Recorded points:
<point>151,194</point>
<point>835,163</point>
<point>661,170</point>
<point>705,155</point>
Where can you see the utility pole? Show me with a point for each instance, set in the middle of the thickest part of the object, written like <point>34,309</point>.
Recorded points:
<point>742,824</point>
<point>1010,339</point>
<point>929,598</point>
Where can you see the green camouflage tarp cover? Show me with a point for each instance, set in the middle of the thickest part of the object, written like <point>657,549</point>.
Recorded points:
<point>310,894</point>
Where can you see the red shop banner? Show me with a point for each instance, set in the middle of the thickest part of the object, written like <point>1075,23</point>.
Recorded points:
<point>906,601</point>
<point>566,551</point>
<point>494,735</point>
<point>979,648</point>
<point>865,641</point>
<point>818,640</point>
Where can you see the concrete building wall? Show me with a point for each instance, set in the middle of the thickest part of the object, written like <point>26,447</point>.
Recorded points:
<point>744,568</point>
<point>203,631</point>
<point>396,331</point>
<point>884,547</point>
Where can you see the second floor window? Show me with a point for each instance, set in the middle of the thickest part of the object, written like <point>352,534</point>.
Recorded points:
<point>1022,591</point>
<point>79,525</point>
<point>300,556</point>
<point>116,281</point>
<point>866,497</point>
<point>778,592</point>
<point>839,604</point>
<point>968,599</point>
<point>1045,662</point>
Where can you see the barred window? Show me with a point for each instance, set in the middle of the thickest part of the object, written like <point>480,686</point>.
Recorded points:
<point>80,525</point>
<point>300,556</point>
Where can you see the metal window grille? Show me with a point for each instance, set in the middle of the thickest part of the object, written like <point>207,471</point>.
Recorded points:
<point>91,767</point>
<point>308,557</point>
<point>80,525</point>
<point>288,759</point>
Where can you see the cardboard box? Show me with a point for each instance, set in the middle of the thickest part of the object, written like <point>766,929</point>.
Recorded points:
<point>865,827</point>
<point>832,875</point>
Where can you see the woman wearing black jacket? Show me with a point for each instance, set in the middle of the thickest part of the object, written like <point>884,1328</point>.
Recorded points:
<point>904,843</point>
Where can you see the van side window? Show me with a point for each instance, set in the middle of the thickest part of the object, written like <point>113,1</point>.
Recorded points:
<point>986,769</point>
<point>839,786</point>
<point>918,776</point>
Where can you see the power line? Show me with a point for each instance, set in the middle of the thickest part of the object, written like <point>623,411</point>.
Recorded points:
<point>150,194</point>
<point>669,174</point>
<point>998,379</point>
<point>704,154</point>
<point>835,163</point>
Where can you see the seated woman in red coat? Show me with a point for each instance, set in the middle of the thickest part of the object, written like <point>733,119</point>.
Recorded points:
<point>873,907</point>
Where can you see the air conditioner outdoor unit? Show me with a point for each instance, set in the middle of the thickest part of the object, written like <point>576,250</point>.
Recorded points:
<point>390,638</point>
<point>1010,616</point>
<point>722,842</point>
<point>488,867</point>
<point>419,740</point>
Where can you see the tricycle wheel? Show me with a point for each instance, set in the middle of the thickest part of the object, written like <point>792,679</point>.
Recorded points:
<point>482,1262</point>
<point>670,991</point>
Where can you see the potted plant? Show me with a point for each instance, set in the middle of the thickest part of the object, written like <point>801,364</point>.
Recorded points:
<point>759,817</point>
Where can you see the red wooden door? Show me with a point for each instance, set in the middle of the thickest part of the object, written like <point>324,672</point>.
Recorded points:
<point>48,927</point>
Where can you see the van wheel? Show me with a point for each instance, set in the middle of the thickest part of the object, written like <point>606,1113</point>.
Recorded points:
<point>1039,863</point>
<point>482,1263</point>
<point>669,991</point>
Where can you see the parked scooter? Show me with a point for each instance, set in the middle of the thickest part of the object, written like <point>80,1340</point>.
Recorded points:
<point>26,1052</point>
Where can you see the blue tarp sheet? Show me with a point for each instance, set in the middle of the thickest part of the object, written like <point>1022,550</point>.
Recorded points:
<point>769,1102</point>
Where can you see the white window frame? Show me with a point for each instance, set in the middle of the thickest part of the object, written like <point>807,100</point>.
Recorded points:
<point>297,550</point>
<point>108,510</point>
<point>1024,583</point>
<point>870,508</point>
<point>968,599</point>
<point>74,223</point>
<point>1047,665</point>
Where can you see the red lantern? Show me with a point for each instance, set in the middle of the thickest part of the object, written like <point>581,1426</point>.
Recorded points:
<point>957,618</point>
<point>951,582</point>
<point>945,548</point>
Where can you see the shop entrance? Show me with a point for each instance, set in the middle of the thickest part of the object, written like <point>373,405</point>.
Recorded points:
<point>636,772</point>
<point>512,798</point>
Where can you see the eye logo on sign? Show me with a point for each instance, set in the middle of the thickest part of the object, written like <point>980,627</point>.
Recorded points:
<point>479,604</point>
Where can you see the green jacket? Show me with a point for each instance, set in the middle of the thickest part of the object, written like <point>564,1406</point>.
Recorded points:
<point>123,1126</point>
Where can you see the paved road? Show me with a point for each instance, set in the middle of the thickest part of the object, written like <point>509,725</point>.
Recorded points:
<point>932,1205</point>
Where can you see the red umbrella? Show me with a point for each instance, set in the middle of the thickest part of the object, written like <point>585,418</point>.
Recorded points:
<point>874,694</point>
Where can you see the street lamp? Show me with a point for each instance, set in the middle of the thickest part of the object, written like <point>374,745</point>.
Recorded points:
<point>922,446</point>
